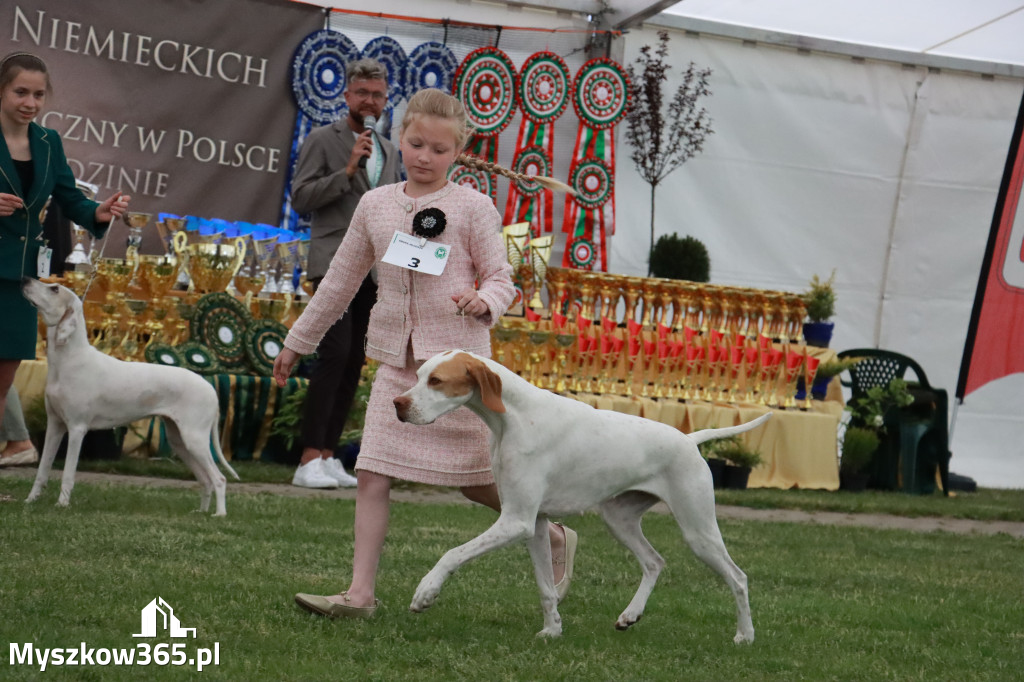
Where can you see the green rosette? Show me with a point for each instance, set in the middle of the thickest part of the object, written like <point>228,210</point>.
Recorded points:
<point>199,358</point>
<point>264,341</point>
<point>219,324</point>
<point>164,354</point>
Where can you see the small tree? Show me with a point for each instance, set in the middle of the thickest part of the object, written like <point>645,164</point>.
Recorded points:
<point>661,143</point>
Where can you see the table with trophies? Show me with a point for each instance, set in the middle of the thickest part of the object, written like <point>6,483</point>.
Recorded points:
<point>220,298</point>
<point>217,301</point>
<point>688,354</point>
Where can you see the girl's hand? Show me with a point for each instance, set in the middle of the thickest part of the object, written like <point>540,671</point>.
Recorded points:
<point>10,203</point>
<point>114,207</point>
<point>470,303</point>
<point>283,365</point>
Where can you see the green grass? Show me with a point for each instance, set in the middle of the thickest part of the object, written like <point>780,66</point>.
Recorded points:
<point>984,505</point>
<point>829,603</point>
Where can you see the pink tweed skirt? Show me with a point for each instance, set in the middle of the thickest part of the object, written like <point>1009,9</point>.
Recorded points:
<point>453,451</point>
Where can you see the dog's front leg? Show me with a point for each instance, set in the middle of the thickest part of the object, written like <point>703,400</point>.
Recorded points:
<point>55,431</point>
<point>67,481</point>
<point>505,531</point>
<point>540,552</point>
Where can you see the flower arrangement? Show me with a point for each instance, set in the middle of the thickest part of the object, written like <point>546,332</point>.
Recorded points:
<point>869,410</point>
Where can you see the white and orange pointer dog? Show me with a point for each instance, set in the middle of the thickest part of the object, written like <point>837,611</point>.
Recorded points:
<point>554,456</point>
<point>86,389</point>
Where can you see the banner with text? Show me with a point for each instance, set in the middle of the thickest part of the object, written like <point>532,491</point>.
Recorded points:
<point>185,105</point>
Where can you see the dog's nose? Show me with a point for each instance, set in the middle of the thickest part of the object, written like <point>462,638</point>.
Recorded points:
<point>402,404</point>
<point>25,281</point>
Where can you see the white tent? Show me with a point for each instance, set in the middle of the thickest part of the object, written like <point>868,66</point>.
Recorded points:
<point>875,153</point>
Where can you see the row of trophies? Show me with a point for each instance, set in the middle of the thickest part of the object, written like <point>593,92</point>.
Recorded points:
<point>613,334</point>
<point>143,299</point>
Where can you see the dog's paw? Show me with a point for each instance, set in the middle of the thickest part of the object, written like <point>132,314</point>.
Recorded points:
<point>626,620</point>
<point>426,594</point>
<point>743,638</point>
<point>550,632</point>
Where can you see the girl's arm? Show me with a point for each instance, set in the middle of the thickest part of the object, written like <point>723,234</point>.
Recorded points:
<point>350,265</point>
<point>491,261</point>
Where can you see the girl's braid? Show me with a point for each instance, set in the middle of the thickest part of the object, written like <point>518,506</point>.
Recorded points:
<point>520,179</point>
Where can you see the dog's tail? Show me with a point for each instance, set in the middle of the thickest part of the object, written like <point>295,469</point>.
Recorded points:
<point>217,449</point>
<point>699,437</point>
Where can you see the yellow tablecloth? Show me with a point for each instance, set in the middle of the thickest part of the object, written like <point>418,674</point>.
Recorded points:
<point>798,449</point>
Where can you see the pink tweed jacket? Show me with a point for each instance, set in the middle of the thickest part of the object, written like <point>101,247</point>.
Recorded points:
<point>414,306</point>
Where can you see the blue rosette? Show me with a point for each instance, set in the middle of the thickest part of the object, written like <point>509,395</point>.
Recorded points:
<point>318,74</point>
<point>388,52</point>
<point>431,65</point>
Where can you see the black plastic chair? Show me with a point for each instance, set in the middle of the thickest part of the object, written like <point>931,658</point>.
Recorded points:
<point>916,442</point>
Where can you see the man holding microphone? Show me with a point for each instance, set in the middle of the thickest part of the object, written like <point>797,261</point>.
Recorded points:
<point>337,164</point>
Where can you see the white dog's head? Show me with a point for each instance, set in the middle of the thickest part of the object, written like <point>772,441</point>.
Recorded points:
<point>448,381</point>
<point>58,306</point>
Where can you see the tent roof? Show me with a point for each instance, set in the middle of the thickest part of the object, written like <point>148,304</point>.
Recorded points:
<point>980,30</point>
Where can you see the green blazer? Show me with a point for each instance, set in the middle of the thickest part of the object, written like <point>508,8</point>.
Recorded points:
<point>20,233</point>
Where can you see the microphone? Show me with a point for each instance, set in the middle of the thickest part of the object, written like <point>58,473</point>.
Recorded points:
<point>369,122</point>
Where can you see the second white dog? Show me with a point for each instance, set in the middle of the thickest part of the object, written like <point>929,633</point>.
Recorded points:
<point>553,456</point>
<point>86,390</point>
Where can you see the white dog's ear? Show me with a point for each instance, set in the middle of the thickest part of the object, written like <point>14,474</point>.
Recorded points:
<point>67,325</point>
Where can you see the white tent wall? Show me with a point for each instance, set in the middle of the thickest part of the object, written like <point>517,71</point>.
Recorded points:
<point>886,172</point>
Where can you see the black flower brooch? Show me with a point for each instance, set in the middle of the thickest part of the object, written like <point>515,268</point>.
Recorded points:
<point>429,223</point>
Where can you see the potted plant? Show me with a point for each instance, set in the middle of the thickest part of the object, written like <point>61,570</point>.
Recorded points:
<point>820,302</point>
<point>859,446</point>
<point>828,371</point>
<point>739,459</point>
<point>680,258</point>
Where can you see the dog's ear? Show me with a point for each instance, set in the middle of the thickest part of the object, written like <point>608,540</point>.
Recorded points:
<point>489,383</point>
<point>67,325</point>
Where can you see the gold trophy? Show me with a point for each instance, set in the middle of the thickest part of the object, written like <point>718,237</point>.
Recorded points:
<point>212,266</point>
<point>540,254</point>
<point>157,274</point>
<point>516,236</point>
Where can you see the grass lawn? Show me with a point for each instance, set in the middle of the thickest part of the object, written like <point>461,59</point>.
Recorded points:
<point>828,603</point>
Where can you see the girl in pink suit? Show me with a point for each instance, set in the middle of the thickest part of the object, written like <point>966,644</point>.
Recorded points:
<point>417,315</point>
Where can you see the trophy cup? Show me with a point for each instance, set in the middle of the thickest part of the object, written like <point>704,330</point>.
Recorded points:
<point>213,266</point>
<point>540,254</point>
<point>303,255</point>
<point>288,253</point>
<point>157,274</point>
<point>516,236</point>
<point>135,221</point>
<point>557,282</point>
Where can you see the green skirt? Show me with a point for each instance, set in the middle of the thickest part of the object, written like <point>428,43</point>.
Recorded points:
<point>18,324</point>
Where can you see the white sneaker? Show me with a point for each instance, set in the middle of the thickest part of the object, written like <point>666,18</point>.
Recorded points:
<point>313,474</point>
<point>334,467</point>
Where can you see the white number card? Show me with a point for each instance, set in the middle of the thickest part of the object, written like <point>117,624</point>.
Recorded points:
<point>416,253</point>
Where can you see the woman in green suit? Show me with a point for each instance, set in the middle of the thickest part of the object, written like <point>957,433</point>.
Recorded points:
<point>32,168</point>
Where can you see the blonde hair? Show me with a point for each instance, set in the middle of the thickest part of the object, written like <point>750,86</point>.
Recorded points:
<point>434,102</point>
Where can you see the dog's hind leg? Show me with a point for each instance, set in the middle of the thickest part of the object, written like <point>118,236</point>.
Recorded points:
<point>694,511</point>
<point>55,431</point>
<point>194,461</point>
<point>540,552</point>
<point>622,516</point>
<point>67,480</point>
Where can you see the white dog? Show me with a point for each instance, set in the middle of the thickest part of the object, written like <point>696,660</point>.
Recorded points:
<point>553,456</point>
<point>86,389</point>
